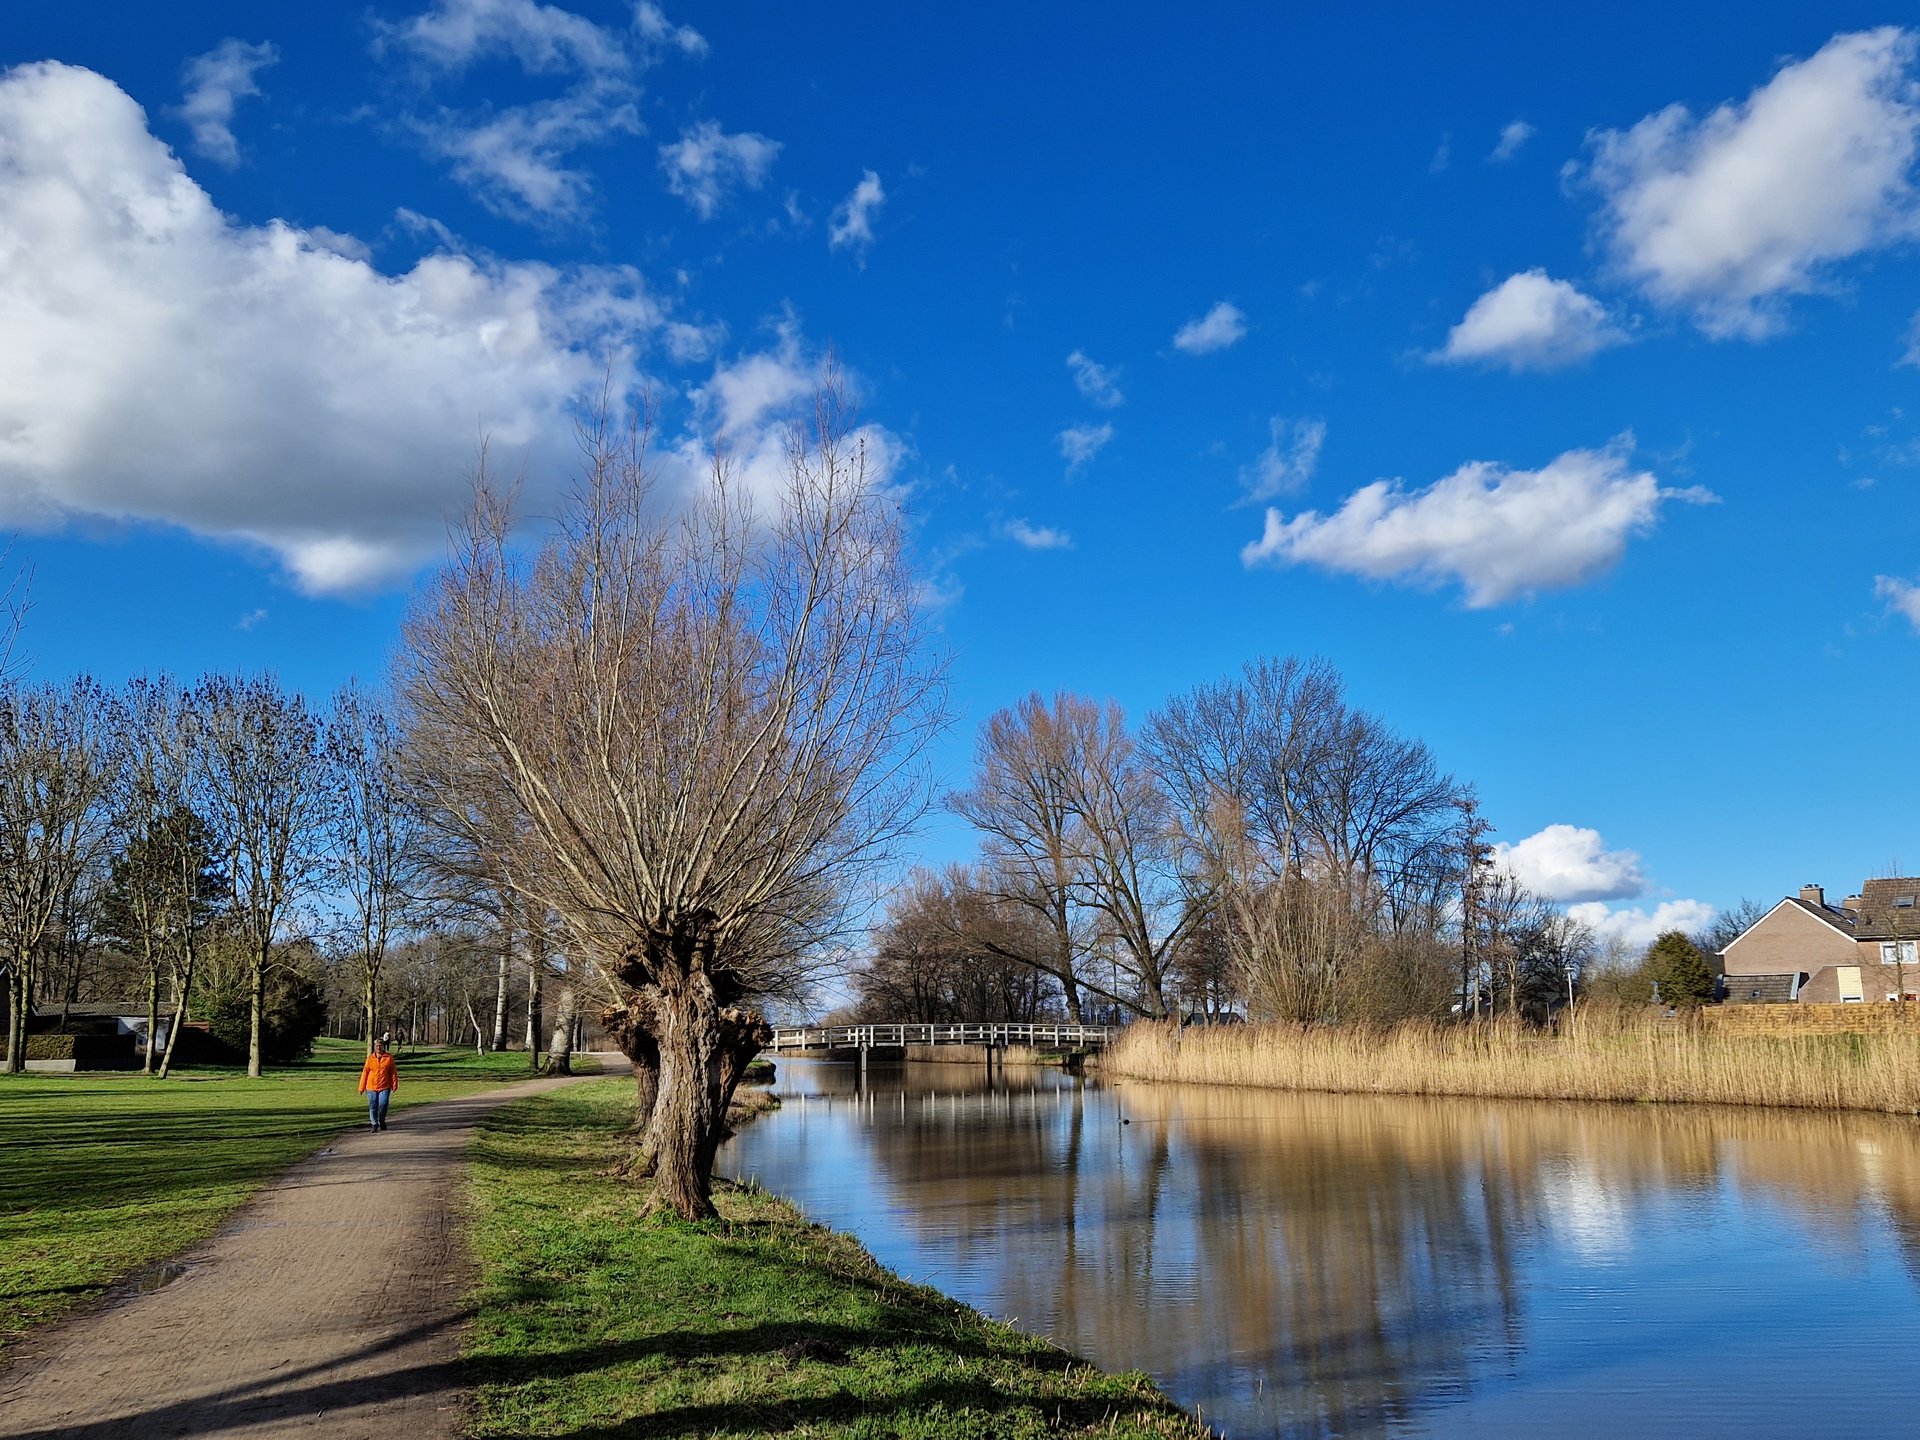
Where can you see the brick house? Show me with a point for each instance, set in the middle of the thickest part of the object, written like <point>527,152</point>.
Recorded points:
<point>1807,950</point>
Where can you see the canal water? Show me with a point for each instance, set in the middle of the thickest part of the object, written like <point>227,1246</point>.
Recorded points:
<point>1359,1266</point>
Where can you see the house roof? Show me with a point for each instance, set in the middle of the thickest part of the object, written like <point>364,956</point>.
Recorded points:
<point>1761,989</point>
<point>1882,916</point>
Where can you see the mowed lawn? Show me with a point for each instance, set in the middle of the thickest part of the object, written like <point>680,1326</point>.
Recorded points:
<point>102,1175</point>
<point>594,1322</point>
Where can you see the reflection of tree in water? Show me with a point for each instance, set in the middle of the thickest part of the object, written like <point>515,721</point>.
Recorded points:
<point>1334,1265</point>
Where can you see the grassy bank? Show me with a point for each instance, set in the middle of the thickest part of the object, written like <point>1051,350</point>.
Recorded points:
<point>101,1175</point>
<point>1608,1057</point>
<point>593,1322</point>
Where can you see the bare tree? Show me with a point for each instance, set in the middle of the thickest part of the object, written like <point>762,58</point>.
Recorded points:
<point>1026,800</point>
<point>57,766</point>
<point>708,715</point>
<point>259,756</point>
<point>374,834</point>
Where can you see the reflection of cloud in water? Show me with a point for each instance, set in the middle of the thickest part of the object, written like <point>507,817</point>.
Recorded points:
<point>1585,1213</point>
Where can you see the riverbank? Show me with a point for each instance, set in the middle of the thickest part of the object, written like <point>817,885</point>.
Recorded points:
<point>1619,1056</point>
<point>106,1174</point>
<point>591,1320</point>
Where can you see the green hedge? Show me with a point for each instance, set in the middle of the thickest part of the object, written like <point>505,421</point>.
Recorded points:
<point>80,1047</point>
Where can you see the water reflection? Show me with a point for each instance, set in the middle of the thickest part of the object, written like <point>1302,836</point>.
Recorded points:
<point>1308,1265</point>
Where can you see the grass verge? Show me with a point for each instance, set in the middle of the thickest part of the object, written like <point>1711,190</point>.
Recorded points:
<point>101,1175</point>
<point>1607,1057</point>
<point>594,1322</point>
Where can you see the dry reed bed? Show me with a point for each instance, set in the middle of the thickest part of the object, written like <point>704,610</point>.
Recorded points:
<point>1605,1057</point>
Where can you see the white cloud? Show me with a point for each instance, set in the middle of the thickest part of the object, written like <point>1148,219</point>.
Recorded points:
<point>1530,321</point>
<point>1288,463</point>
<point>164,363</point>
<point>1724,216</point>
<point>1095,381</point>
<point>516,162</point>
<point>706,165</point>
<point>1566,862</point>
<point>1080,443</point>
<point>216,83</point>
<point>1500,533</point>
<point>515,158</point>
<point>749,408</point>
<point>1513,135</point>
<point>851,224</point>
<point>544,39</point>
<point>1036,537</point>
<point>1220,327</point>
<point>656,29</point>
<point>1636,928</point>
<point>1900,597</point>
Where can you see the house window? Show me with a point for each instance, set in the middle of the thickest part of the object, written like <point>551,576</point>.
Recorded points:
<point>1900,952</point>
<point>1849,978</point>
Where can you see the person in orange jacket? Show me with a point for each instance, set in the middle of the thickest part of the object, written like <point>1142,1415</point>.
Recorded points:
<point>378,1077</point>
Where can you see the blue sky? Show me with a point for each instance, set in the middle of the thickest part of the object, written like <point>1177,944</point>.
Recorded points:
<point>1553,375</point>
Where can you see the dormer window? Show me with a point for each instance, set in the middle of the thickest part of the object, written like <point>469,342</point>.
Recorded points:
<point>1903,902</point>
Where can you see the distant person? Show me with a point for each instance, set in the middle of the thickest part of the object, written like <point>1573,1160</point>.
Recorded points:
<point>377,1080</point>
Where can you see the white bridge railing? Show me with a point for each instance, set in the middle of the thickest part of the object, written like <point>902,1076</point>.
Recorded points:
<point>867,1037</point>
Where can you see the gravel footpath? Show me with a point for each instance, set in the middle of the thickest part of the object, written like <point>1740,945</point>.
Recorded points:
<point>329,1306</point>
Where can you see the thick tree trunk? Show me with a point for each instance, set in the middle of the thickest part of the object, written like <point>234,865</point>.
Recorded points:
<point>369,998</point>
<point>560,1047</point>
<point>704,1049</point>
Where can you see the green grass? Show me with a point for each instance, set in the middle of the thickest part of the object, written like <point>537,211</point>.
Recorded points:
<point>101,1175</point>
<point>594,1322</point>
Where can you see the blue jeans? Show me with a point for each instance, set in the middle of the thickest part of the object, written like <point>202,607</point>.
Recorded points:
<point>377,1107</point>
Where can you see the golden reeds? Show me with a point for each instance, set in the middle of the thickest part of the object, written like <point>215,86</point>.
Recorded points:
<point>1607,1056</point>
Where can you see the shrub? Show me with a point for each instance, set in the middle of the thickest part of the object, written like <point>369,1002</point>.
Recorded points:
<point>89,1046</point>
<point>295,1013</point>
<point>1685,978</point>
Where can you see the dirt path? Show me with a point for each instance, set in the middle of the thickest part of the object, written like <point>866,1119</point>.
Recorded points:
<point>329,1306</point>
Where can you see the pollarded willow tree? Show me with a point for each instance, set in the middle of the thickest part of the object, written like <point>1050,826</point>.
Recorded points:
<point>707,710</point>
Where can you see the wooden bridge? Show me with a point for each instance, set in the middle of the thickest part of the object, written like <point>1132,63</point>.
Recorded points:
<point>845,1039</point>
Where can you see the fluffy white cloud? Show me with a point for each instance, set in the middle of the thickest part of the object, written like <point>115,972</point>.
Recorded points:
<point>1220,327</point>
<point>851,225</point>
<point>1726,214</point>
<point>748,410</point>
<point>162,363</point>
<point>1567,862</point>
<point>1900,597</point>
<point>1036,537</point>
<point>656,29</point>
<point>1499,532</point>
<point>216,83</point>
<point>1080,443</point>
<point>452,34</point>
<point>706,164</point>
<point>1635,928</point>
<point>1095,381</point>
<point>1288,463</point>
<point>1531,321</point>
<point>1513,135</point>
